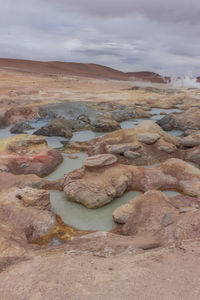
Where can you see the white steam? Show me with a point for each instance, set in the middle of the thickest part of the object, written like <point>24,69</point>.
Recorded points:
<point>185,82</point>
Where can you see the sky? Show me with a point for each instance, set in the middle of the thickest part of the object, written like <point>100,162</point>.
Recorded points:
<point>129,35</point>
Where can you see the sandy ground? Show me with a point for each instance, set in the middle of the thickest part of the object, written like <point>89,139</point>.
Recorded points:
<point>34,87</point>
<point>20,87</point>
<point>166,274</point>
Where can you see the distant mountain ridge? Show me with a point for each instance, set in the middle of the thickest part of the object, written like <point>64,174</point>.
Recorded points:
<point>77,69</point>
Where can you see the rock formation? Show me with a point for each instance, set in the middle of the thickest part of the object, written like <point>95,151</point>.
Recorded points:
<point>146,144</point>
<point>26,154</point>
<point>95,187</point>
<point>157,215</point>
<point>24,216</point>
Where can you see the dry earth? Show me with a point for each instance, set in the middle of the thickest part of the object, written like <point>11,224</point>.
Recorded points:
<point>170,273</point>
<point>167,274</point>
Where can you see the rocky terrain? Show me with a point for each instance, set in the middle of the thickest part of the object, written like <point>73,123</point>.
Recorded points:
<point>135,138</point>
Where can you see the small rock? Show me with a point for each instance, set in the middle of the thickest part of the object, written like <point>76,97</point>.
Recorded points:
<point>100,160</point>
<point>148,138</point>
<point>20,127</point>
<point>84,119</point>
<point>121,148</point>
<point>131,154</point>
<point>167,149</point>
<point>105,124</point>
<point>191,141</point>
<point>184,210</point>
<point>57,127</point>
<point>167,220</point>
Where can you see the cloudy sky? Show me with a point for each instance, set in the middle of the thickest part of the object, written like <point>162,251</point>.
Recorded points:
<point>131,35</point>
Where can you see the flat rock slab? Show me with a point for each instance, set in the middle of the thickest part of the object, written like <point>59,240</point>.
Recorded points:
<point>132,154</point>
<point>99,160</point>
<point>121,148</point>
<point>167,149</point>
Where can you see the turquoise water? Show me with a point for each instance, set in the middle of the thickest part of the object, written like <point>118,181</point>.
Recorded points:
<point>83,218</point>
<point>69,164</point>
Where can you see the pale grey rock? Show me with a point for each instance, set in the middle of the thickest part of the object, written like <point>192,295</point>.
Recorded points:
<point>131,154</point>
<point>121,148</point>
<point>148,138</point>
<point>99,160</point>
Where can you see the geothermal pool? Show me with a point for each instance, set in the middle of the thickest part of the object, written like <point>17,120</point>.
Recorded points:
<point>83,218</point>
<point>79,216</point>
<point>75,214</point>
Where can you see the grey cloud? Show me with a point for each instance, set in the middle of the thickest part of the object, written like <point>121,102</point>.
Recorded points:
<point>130,35</point>
<point>171,10</point>
<point>93,52</point>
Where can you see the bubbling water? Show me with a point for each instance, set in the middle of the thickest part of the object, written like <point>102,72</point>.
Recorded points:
<point>185,82</point>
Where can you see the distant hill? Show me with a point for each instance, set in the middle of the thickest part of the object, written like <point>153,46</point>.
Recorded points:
<point>77,69</point>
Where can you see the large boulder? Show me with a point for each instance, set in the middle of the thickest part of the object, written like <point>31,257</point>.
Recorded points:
<point>28,154</point>
<point>152,213</point>
<point>189,119</point>
<point>57,127</point>
<point>158,215</point>
<point>180,202</point>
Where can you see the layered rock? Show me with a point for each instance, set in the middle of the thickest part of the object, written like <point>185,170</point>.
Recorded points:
<point>95,187</point>
<point>27,154</point>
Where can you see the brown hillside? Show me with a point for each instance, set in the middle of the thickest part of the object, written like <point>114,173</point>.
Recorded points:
<point>77,69</point>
